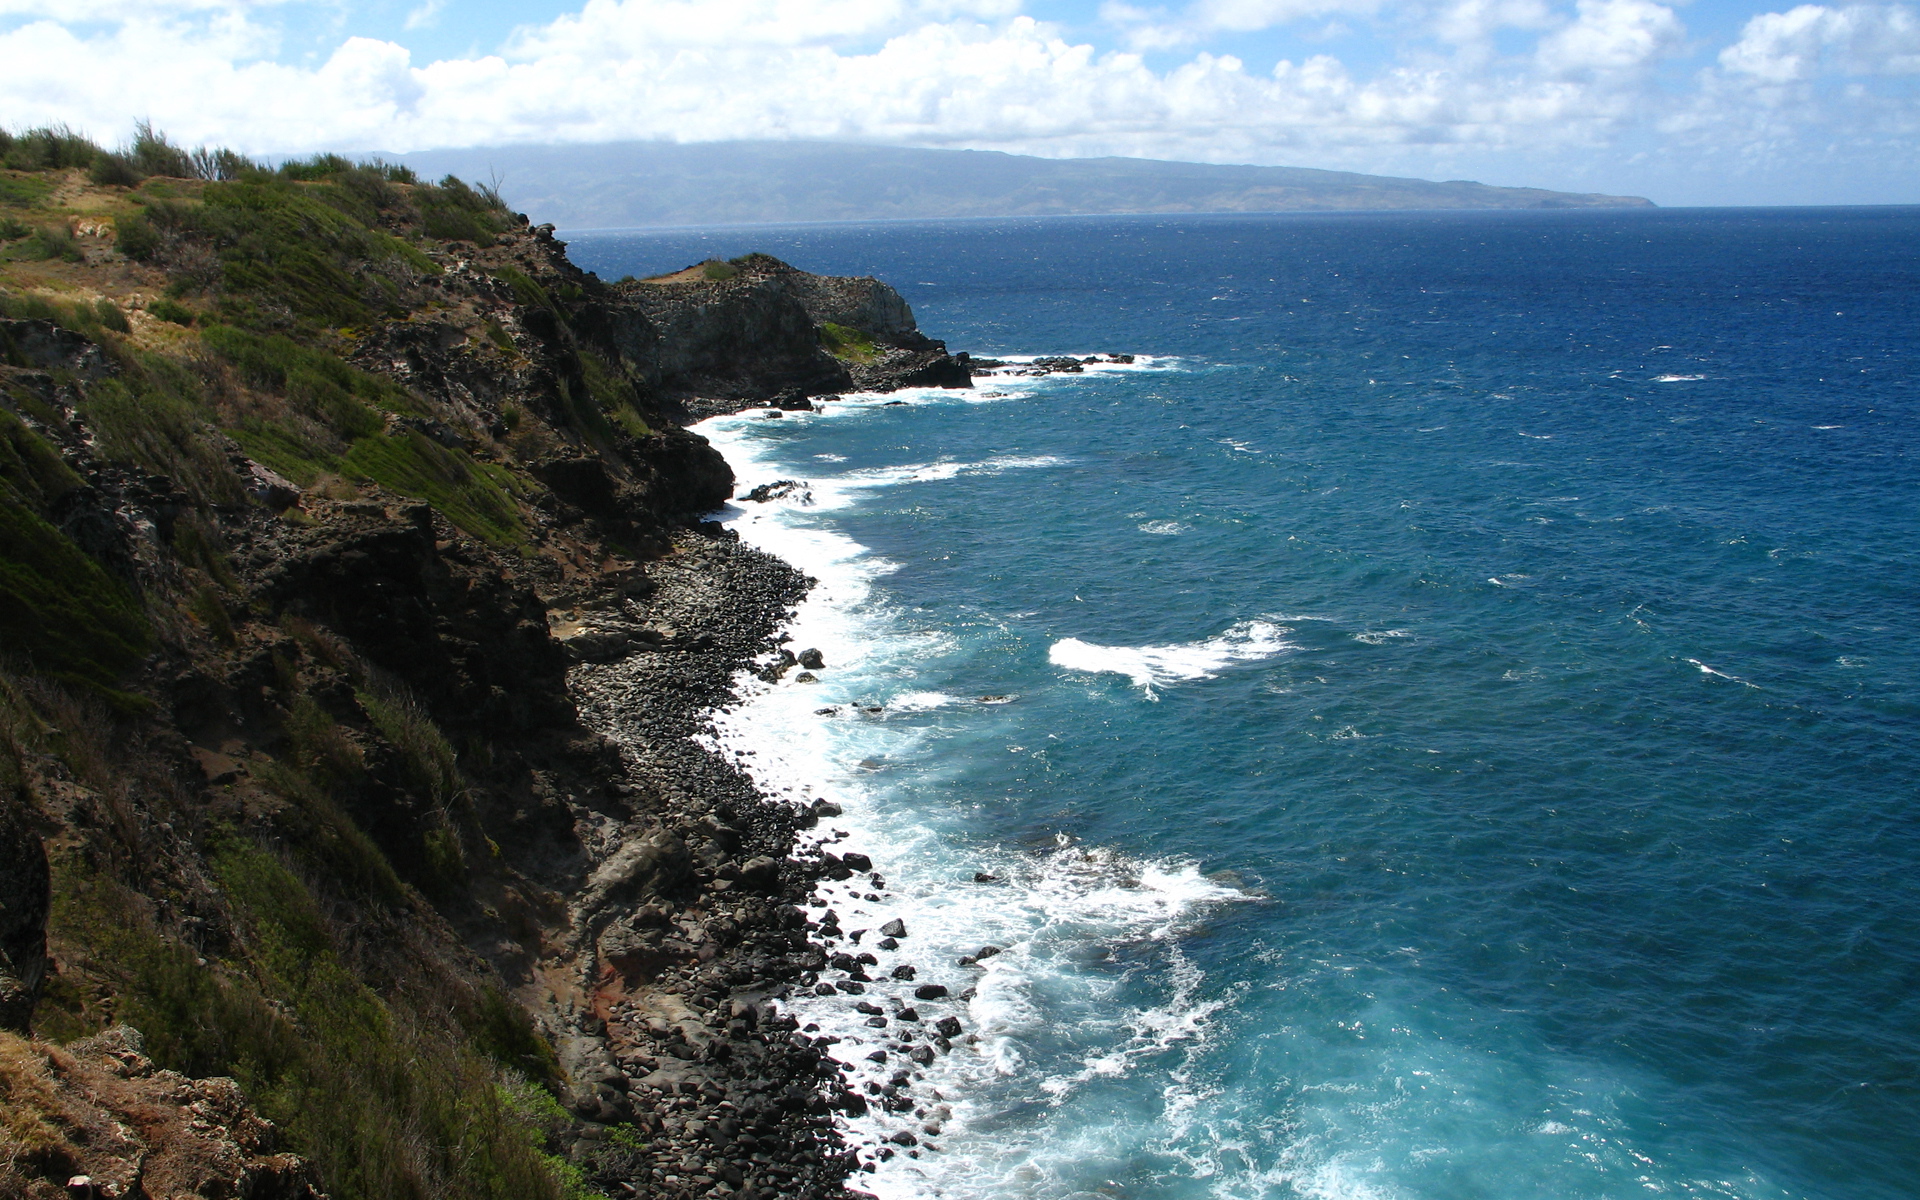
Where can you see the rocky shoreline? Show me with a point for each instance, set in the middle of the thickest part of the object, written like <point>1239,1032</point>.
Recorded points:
<point>393,642</point>
<point>671,1008</point>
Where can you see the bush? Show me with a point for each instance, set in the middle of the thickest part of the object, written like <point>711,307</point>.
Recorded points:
<point>171,311</point>
<point>115,170</point>
<point>12,230</point>
<point>54,241</point>
<point>136,237</point>
<point>392,1098</point>
<point>111,316</point>
<point>48,148</point>
<point>455,212</point>
<point>153,154</point>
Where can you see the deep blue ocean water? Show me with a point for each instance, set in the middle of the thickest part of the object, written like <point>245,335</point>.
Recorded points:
<point>1455,703</point>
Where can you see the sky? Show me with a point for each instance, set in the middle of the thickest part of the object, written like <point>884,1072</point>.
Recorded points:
<point>1708,102</point>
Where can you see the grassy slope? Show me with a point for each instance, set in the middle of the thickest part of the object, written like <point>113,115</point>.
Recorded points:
<point>255,930</point>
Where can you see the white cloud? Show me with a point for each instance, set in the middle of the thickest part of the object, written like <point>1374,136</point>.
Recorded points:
<point>1467,22</point>
<point>1155,29</point>
<point>427,15</point>
<point>1862,39</point>
<point>976,73</point>
<point>1612,36</point>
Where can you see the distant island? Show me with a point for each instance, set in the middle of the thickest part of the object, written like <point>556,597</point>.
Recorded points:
<point>652,184</point>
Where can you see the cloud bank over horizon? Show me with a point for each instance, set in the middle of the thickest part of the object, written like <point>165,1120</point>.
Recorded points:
<point>1701,103</point>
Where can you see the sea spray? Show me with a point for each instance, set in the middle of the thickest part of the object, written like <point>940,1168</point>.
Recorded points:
<point>1011,946</point>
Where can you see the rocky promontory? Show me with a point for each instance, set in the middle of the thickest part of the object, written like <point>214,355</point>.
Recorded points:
<point>356,613</point>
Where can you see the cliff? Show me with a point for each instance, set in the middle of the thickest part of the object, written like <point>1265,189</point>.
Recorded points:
<point>354,612</point>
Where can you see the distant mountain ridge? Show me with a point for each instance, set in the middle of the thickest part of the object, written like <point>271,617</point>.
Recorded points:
<point>652,184</point>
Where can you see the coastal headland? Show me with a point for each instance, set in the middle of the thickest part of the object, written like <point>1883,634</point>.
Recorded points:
<point>356,610</point>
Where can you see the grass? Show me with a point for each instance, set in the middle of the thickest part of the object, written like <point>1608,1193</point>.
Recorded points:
<point>152,413</point>
<point>171,311</point>
<point>613,393</point>
<point>30,466</point>
<point>24,191</point>
<point>476,496</point>
<point>59,610</point>
<point>848,343</point>
<point>289,256</point>
<point>393,1098</point>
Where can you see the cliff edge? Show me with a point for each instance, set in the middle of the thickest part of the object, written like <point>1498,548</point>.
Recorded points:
<point>355,609</point>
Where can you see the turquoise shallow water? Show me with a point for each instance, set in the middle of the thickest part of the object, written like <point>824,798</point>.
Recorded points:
<point>1464,728</point>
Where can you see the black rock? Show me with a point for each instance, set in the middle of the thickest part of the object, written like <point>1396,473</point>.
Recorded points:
<point>860,862</point>
<point>895,928</point>
<point>949,1027</point>
<point>812,660</point>
<point>930,991</point>
<point>984,877</point>
<point>903,971</point>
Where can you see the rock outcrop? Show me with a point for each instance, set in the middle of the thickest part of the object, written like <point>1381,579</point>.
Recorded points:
<point>97,1119</point>
<point>752,333</point>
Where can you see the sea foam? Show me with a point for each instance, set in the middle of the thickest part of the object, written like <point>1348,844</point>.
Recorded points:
<point>1152,667</point>
<point>1040,1025</point>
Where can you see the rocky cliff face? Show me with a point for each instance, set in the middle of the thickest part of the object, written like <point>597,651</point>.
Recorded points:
<point>355,611</point>
<point>751,331</point>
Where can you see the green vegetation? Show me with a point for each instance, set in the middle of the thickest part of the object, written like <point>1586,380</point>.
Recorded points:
<point>24,191</point>
<point>718,271</point>
<point>399,1097</point>
<point>171,311</point>
<point>152,413</point>
<point>48,148</point>
<point>613,393</point>
<point>303,973</point>
<point>846,342</point>
<point>458,213</point>
<point>287,255</point>
<point>59,610</point>
<point>476,496</point>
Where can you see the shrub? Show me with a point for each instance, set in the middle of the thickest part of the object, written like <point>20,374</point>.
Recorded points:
<point>49,148</point>
<point>54,241</point>
<point>308,170</point>
<point>390,1097</point>
<point>12,230</point>
<point>426,756</point>
<point>115,170</point>
<point>171,311</point>
<point>136,237</point>
<point>455,212</point>
<point>217,165</point>
<point>111,316</point>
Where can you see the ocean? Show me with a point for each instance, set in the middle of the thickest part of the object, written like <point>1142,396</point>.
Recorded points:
<point>1443,722</point>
